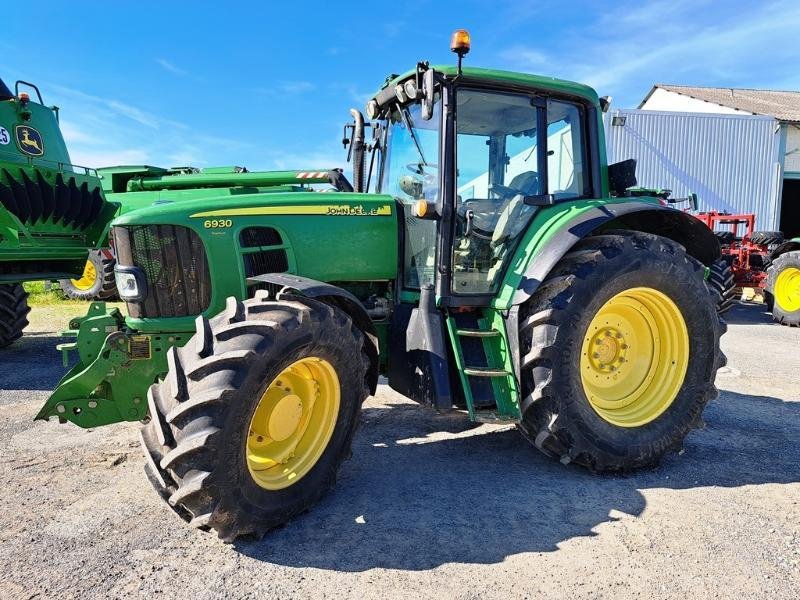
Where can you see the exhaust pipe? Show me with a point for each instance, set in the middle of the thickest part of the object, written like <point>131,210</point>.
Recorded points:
<point>358,150</point>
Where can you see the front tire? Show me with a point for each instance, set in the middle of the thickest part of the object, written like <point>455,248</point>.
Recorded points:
<point>14,311</point>
<point>620,350</point>
<point>783,288</point>
<point>256,414</point>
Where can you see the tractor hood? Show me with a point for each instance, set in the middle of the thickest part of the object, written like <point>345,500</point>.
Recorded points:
<point>203,251</point>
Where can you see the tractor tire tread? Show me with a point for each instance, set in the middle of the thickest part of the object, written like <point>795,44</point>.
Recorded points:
<point>543,422</point>
<point>193,404</point>
<point>14,311</point>
<point>105,287</point>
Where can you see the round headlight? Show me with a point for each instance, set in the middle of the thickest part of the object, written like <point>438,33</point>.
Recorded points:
<point>411,89</point>
<point>372,109</point>
<point>400,93</point>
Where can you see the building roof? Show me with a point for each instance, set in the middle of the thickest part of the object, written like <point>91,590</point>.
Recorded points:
<point>783,105</point>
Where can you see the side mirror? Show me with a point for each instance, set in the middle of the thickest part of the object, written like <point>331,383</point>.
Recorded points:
<point>428,95</point>
<point>693,202</point>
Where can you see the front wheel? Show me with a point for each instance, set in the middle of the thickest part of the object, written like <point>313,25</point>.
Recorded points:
<point>783,288</point>
<point>256,414</point>
<point>14,311</point>
<point>620,350</point>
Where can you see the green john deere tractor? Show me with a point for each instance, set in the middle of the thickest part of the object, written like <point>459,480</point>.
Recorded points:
<point>51,212</point>
<point>485,259</point>
<point>134,187</point>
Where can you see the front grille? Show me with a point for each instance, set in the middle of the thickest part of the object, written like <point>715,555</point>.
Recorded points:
<point>265,261</point>
<point>175,266</point>
<point>265,252</point>
<point>36,200</point>
<point>260,236</point>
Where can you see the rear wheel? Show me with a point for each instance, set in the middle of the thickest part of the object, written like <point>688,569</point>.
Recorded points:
<point>783,288</point>
<point>720,280</point>
<point>621,348</point>
<point>14,311</point>
<point>724,237</point>
<point>96,282</point>
<point>766,238</point>
<point>256,414</point>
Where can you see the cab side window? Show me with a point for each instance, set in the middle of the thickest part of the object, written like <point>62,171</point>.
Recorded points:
<point>566,163</point>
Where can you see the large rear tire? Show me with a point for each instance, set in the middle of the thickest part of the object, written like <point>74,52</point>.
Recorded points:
<point>97,281</point>
<point>720,280</point>
<point>14,311</point>
<point>783,288</point>
<point>620,350</point>
<point>767,238</point>
<point>256,414</point>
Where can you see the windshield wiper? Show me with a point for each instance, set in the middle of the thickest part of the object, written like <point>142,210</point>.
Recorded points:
<point>407,122</point>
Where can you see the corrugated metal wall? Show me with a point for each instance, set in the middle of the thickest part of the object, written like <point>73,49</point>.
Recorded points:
<point>732,162</point>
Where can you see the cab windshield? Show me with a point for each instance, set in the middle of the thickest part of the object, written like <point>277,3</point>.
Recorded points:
<point>411,172</point>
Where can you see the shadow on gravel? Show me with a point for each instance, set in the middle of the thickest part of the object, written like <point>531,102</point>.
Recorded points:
<point>32,363</point>
<point>408,502</point>
<point>749,313</point>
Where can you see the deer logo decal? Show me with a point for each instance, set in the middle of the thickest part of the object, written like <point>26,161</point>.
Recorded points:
<point>29,140</point>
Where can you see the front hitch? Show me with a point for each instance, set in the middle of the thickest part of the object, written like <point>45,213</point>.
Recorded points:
<point>115,368</point>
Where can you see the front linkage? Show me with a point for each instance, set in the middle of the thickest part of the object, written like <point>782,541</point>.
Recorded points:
<point>105,385</point>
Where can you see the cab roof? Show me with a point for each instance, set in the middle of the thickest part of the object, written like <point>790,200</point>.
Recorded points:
<point>481,75</point>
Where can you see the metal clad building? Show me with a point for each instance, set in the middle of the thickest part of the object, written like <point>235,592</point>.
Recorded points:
<point>732,162</point>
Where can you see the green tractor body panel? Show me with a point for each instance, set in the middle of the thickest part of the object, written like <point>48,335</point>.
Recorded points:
<point>538,238</point>
<point>51,212</point>
<point>354,245</point>
<point>141,186</point>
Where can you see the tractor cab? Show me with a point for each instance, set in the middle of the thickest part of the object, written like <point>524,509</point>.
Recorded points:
<point>471,155</point>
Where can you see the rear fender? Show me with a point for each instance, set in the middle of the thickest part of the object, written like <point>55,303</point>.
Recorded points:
<point>540,256</point>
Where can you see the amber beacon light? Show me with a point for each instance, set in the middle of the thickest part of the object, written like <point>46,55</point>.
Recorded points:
<point>460,42</point>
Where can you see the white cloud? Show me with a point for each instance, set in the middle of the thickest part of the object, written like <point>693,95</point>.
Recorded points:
<point>311,160</point>
<point>295,87</point>
<point>86,157</point>
<point>625,51</point>
<point>104,131</point>
<point>168,66</point>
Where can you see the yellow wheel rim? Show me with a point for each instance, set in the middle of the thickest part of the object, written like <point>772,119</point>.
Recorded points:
<point>293,423</point>
<point>634,357</point>
<point>787,289</point>
<point>87,279</point>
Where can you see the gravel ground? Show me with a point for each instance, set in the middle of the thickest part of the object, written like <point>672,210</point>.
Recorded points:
<point>428,506</point>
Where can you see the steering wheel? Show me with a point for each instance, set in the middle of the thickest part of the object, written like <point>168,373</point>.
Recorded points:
<point>417,168</point>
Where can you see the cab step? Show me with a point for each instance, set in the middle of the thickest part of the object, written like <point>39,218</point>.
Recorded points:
<point>485,365</point>
<point>486,372</point>
<point>478,333</point>
<point>490,416</point>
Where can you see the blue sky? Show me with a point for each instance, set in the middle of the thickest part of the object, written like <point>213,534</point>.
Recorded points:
<point>268,85</point>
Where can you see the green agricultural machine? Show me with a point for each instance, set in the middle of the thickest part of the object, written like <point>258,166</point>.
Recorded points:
<point>486,259</point>
<point>51,212</point>
<point>135,187</point>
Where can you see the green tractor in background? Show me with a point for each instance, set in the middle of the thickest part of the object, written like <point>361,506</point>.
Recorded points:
<point>139,186</point>
<point>486,259</point>
<point>51,212</point>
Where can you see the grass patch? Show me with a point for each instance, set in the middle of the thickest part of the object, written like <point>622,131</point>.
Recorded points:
<point>39,295</point>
